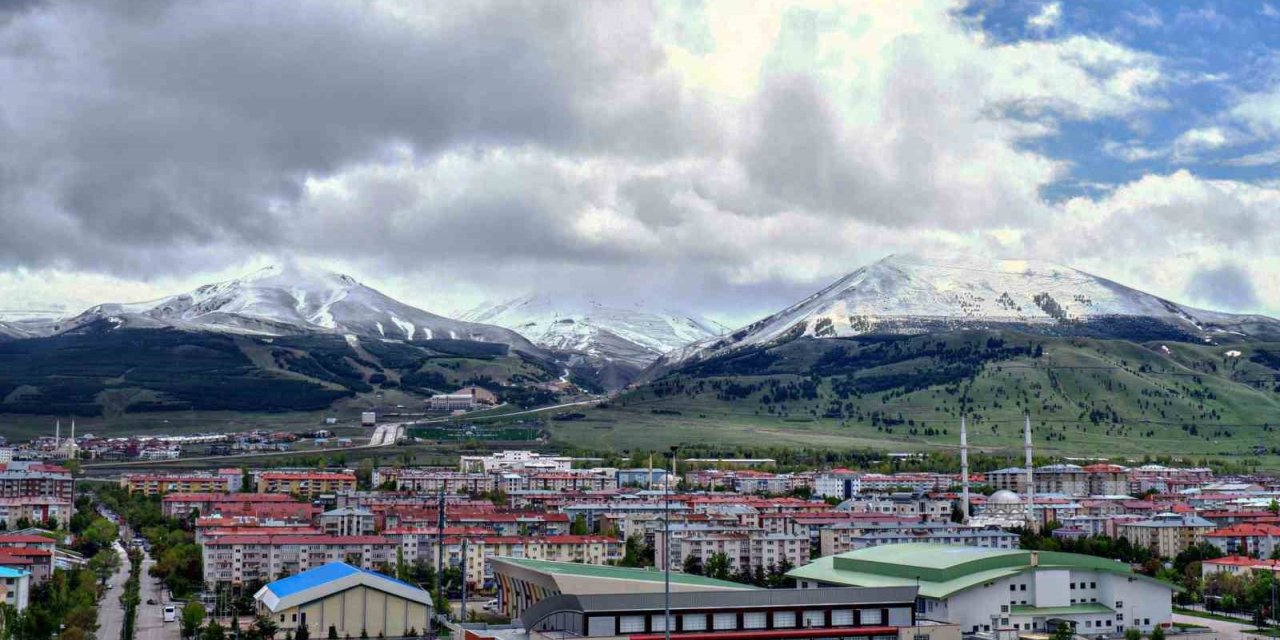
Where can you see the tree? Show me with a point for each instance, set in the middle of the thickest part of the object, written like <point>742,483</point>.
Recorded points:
<point>1132,633</point>
<point>266,627</point>
<point>303,633</point>
<point>693,565</point>
<point>192,617</point>
<point>718,566</point>
<point>1157,633</point>
<point>333,632</point>
<point>1063,631</point>
<point>213,632</point>
<point>579,526</point>
<point>1274,507</point>
<point>104,563</point>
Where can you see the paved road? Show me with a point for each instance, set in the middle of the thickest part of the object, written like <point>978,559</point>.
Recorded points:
<point>1222,630</point>
<point>151,624</point>
<point>110,612</point>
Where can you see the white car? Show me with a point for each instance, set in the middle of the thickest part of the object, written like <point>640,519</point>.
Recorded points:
<point>491,605</point>
<point>170,613</point>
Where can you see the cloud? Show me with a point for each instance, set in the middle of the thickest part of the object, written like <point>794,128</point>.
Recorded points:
<point>1225,287</point>
<point>1048,17</point>
<point>691,152</point>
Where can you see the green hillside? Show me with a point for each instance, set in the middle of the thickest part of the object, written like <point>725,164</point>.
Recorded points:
<point>101,371</point>
<point>1086,397</point>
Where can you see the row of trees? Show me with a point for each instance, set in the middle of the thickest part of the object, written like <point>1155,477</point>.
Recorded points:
<point>65,607</point>
<point>720,567</point>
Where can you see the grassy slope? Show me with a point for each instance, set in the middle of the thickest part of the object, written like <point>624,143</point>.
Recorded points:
<point>1144,400</point>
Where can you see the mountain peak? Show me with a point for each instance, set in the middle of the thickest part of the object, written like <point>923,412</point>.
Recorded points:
<point>907,294</point>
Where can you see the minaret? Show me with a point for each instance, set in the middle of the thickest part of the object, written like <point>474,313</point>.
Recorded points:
<point>57,434</point>
<point>71,446</point>
<point>964,472</point>
<point>1031,479</point>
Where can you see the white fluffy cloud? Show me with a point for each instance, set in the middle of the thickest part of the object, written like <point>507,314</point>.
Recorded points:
<point>728,156</point>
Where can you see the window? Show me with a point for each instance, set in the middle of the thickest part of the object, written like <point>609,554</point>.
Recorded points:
<point>814,618</point>
<point>842,618</point>
<point>631,624</point>
<point>658,623</point>
<point>753,620</point>
<point>784,619</point>
<point>870,617</point>
<point>723,621</point>
<point>1013,587</point>
<point>1073,585</point>
<point>1022,587</point>
<point>1004,608</point>
<point>1093,585</point>
<point>1119,604</point>
<point>1004,622</point>
<point>693,622</point>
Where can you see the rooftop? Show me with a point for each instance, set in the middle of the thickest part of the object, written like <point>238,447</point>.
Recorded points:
<point>616,573</point>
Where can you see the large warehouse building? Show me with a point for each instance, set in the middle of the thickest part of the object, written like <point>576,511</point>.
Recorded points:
<point>523,583</point>
<point>1011,590</point>
<point>353,602</point>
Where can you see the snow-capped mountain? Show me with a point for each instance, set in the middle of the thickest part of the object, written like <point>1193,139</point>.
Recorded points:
<point>285,300</point>
<point>904,294</point>
<point>630,334</point>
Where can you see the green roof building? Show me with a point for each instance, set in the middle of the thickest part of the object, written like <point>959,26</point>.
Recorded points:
<point>523,582</point>
<point>1014,590</point>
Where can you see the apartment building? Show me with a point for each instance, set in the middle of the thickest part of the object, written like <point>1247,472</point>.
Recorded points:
<point>309,484</point>
<point>1065,479</point>
<point>1167,534</point>
<point>34,479</point>
<point>514,461</point>
<point>34,510</point>
<point>1246,539</point>
<point>240,559</point>
<point>745,550</point>
<point>1107,479</point>
<point>182,505</point>
<point>158,484</point>
<point>347,521</point>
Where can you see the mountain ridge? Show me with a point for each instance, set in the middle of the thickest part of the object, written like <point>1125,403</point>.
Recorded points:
<point>909,295</point>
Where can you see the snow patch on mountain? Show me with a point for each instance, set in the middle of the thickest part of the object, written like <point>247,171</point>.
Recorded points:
<point>293,299</point>
<point>905,294</point>
<point>630,334</point>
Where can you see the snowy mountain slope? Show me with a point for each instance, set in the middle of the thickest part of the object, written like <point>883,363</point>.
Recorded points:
<point>630,335</point>
<point>288,300</point>
<point>905,294</point>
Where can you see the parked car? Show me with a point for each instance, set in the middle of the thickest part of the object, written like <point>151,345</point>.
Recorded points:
<point>170,613</point>
<point>151,601</point>
<point>491,605</point>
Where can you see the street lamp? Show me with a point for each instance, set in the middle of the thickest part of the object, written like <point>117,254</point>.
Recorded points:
<point>666,547</point>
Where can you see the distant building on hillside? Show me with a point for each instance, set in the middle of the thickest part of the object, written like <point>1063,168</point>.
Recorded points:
<point>464,399</point>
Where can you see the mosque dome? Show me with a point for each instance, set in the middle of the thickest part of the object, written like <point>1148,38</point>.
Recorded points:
<point>1004,496</point>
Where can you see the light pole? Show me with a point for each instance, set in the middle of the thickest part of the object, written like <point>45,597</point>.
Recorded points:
<point>666,547</point>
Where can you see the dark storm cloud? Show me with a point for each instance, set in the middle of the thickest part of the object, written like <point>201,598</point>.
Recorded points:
<point>139,130</point>
<point>1227,287</point>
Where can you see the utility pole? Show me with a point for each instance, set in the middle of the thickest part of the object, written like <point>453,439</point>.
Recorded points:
<point>462,614</point>
<point>666,548</point>
<point>440,549</point>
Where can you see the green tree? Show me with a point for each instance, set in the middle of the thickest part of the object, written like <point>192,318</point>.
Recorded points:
<point>693,565</point>
<point>192,617</point>
<point>213,632</point>
<point>1157,633</point>
<point>265,627</point>
<point>579,526</point>
<point>718,566</point>
<point>104,563</point>
<point>1064,631</point>
<point>1132,633</point>
<point>302,633</point>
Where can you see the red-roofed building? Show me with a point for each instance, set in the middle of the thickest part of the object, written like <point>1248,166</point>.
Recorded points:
<point>36,561</point>
<point>35,510</point>
<point>1246,539</point>
<point>181,505</point>
<point>1237,565</point>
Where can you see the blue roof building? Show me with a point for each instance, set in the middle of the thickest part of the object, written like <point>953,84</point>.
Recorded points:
<point>348,599</point>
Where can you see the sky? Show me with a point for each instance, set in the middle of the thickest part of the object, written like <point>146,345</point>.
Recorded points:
<point>725,158</point>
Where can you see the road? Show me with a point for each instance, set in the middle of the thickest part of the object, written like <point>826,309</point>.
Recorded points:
<point>151,624</point>
<point>110,612</point>
<point>1222,630</point>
